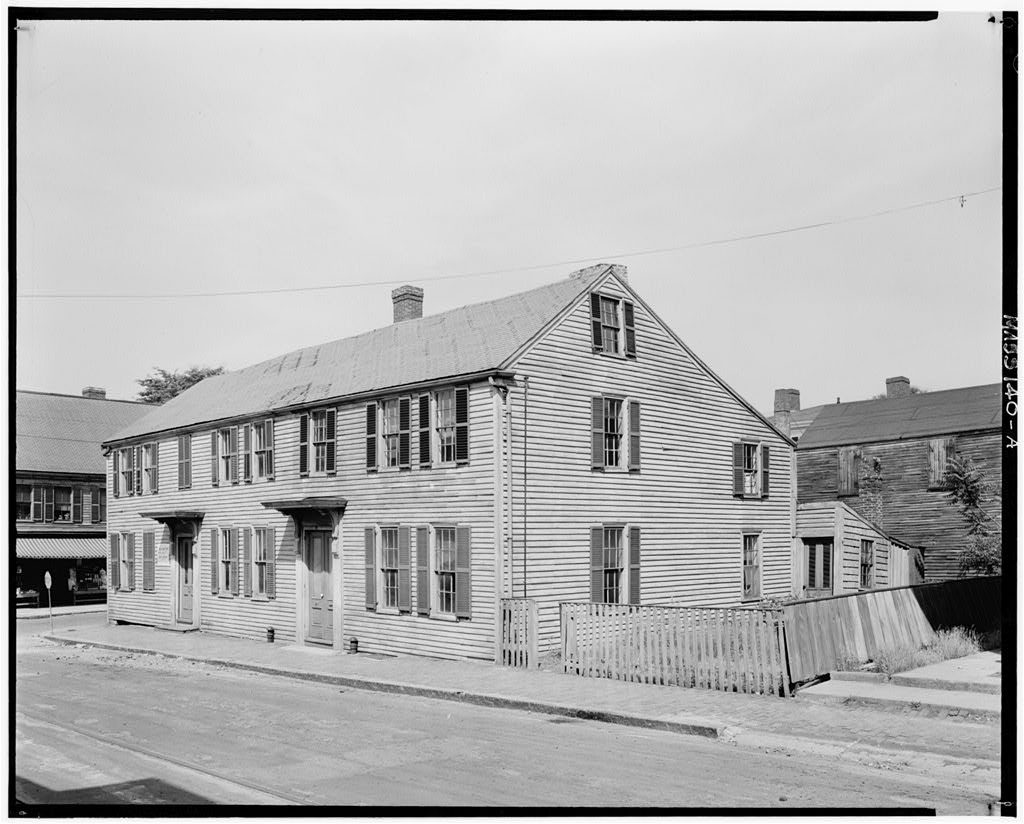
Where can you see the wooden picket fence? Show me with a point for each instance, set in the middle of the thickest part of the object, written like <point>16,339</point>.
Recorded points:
<point>824,634</point>
<point>518,633</point>
<point>736,650</point>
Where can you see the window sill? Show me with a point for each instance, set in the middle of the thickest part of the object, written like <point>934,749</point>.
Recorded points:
<point>387,611</point>
<point>615,355</point>
<point>227,596</point>
<point>443,616</point>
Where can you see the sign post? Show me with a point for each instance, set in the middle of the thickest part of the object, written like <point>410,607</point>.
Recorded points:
<point>49,596</point>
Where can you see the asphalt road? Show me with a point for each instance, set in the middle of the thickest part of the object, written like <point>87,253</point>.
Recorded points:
<point>95,726</point>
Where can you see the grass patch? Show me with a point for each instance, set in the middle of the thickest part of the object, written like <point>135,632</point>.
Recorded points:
<point>948,643</point>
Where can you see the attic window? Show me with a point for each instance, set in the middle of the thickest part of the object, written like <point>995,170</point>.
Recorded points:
<point>612,330</point>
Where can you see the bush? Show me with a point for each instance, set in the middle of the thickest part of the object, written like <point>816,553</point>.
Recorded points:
<point>948,643</point>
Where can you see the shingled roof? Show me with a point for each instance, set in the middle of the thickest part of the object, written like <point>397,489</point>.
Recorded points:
<point>63,433</point>
<point>464,341</point>
<point>969,409</point>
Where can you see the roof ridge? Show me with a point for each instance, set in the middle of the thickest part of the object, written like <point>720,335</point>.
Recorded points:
<point>81,397</point>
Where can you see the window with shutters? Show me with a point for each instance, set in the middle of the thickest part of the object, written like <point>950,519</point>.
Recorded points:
<point>318,438</point>
<point>389,566</point>
<point>940,452</point>
<point>751,566</point>
<point>62,503</point>
<point>228,548</point>
<point>443,600</point>
<point>126,581</point>
<point>126,462</point>
<point>259,563</point>
<point>750,469</point>
<point>263,448</point>
<point>226,454</point>
<point>614,569</point>
<point>867,564</point>
<point>445,403</point>
<point>616,433</point>
<point>23,502</point>
<point>150,482</point>
<point>391,432</point>
<point>612,321</point>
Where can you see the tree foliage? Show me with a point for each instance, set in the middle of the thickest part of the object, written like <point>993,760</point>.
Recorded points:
<point>160,385</point>
<point>970,491</point>
<point>881,396</point>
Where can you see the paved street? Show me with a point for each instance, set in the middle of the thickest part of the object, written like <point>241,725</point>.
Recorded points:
<point>102,726</point>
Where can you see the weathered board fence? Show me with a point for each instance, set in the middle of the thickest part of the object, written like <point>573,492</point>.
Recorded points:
<point>823,634</point>
<point>741,650</point>
<point>518,646</point>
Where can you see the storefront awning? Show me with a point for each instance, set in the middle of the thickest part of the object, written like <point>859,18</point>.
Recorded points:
<point>61,548</point>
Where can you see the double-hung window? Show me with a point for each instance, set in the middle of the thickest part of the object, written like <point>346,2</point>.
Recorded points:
<point>612,325</point>
<point>227,579</point>
<point>259,563</point>
<point>226,452</point>
<point>612,580</point>
<point>391,431</point>
<point>615,564</point>
<point>867,564</point>
<point>750,469</point>
<point>389,566</point>
<point>612,432</point>
<point>126,461</point>
<point>615,436</point>
<point>127,561</point>
<point>23,502</point>
<point>62,503</point>
<point>318,425</point>
<point>445,400</point>
<point>263,448</point>
<point>751,566</point>
<point>150,468</point>
<point>444,570</point>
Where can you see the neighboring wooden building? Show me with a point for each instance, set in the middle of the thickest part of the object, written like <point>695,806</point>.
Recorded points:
<point>886,459</point>
<point>839,551</point>
<point>562,444</point>
<point>60,493</point>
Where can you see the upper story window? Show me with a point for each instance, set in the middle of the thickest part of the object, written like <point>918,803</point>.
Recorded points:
<point>184,461</point>
<point>226,453</point>
<point>150,467</point>
<point>23,502</point>
<point>317,429</point>
<point>612,325</point>
<point>392,431</point>
<point>615,433</point>
<point>445,425</point>
<point>99,505</point>
<point>263,448</point>
<point>940,452</point>
<point>124,471</point>
<point>62,503</point>
<point>443,418</point>
<point>751,466</point>
<point>848,481</point>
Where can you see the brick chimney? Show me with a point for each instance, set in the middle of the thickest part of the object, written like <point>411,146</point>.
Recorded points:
<point>897,387</point>
<point>786,401</point>
<point>95,392</point>
<point>408,301</point>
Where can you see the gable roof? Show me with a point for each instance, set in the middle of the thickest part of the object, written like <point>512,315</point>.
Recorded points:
<point>969,409</point>
<point>63,433</point>
<point>466,341</point>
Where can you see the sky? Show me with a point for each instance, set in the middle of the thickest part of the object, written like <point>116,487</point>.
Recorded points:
<point>183,157</point>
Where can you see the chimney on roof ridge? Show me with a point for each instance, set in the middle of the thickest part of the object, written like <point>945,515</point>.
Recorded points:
<point>95,392</point>
<point>897,387</point>
<point>408,302</point>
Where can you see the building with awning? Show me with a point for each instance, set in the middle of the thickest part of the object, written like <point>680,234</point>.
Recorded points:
<point>60,493</point>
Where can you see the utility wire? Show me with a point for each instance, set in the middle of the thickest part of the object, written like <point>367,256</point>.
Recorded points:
<point>698,245</point>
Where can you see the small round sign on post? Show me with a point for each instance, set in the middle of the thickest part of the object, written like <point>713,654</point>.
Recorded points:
<point>49,596</point>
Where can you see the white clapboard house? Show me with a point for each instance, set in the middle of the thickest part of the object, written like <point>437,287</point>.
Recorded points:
<point>562,443</point>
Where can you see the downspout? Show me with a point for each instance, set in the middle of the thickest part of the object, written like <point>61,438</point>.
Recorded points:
<point>526,409</point>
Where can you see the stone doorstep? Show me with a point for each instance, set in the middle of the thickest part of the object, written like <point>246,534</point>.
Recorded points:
<point>903,680</point>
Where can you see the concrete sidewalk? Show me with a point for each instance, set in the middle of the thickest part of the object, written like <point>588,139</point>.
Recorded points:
<point>728,716</point>
<point>44,612</point>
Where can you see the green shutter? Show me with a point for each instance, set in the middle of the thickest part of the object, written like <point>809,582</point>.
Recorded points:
<point>148,561</point>
<point>271,562</point>
<point>115,562</point>
<point>48,504</point>
<point>371,567</point>
<point>461,425</point>
<point>403,432</point>
<point>247,562</point>
<point>737,469</point>
<point>597,433</point>
<point>214,480</point>
<point>247,453</point>
<point>76,505</point>
<point>424,431</point>
<point>233,439</point>
<point>634,565</point>
<point>37,503</point>
<point>765,467</point>
<point>595,322</point>
<point>634,436</point>
<point>332,434</point>
<point>371,438</point>
<point>630,329</point>
<point>138,471</point>
<point>214,561</point>
<point>268,439</point>
<point>156,467</point>
<point>463,573</point>
<point>597,564</point>
<point>130,555</point>
<point>404,573</point>
<point>116,485</point>
<point>303,445</point>
<point>232,556</point>
<point>423,570</point>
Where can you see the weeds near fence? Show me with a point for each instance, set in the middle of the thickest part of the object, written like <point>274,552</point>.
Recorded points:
<point>948,643</point>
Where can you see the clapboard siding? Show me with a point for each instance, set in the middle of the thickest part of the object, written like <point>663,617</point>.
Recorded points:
<point>691,525</point>
<point>910,511</point>
<point>461,495</point>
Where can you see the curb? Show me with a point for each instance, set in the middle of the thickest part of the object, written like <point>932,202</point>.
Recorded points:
<point>702,729</point>
<point>921,683</point>
<point>922,708</point>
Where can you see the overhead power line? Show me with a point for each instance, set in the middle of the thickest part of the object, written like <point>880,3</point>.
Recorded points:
<point>594,258</point>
